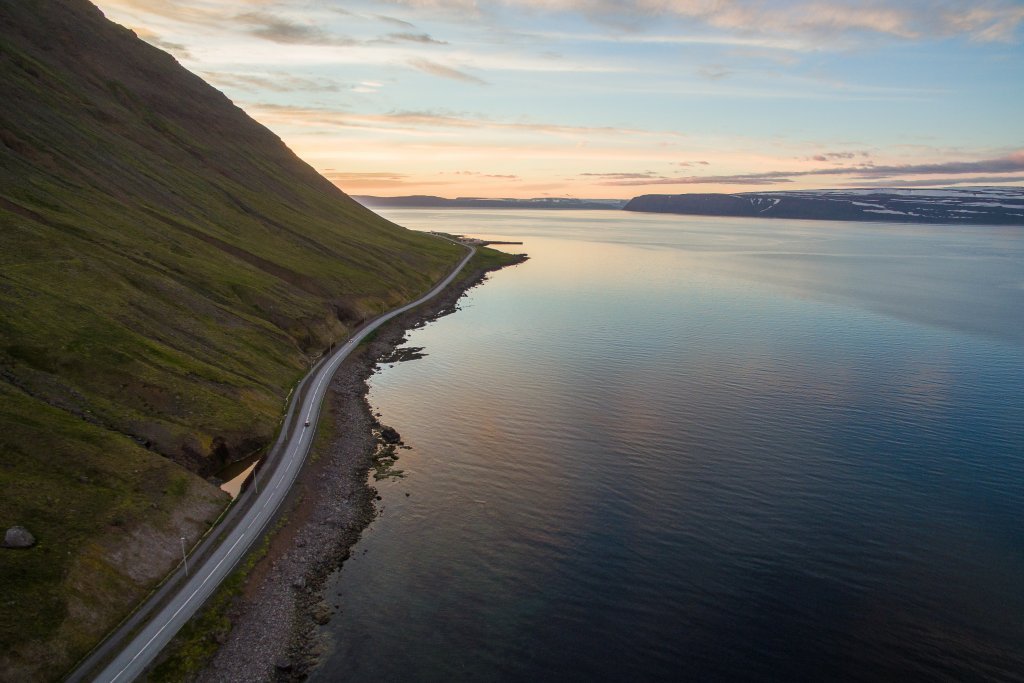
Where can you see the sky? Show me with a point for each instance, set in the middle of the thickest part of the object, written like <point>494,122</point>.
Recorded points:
<point>604,99</point>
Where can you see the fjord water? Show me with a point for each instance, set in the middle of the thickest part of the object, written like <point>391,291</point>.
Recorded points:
<point>680,448</point>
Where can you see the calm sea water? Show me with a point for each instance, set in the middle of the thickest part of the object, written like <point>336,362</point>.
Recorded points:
<point>675,448</point>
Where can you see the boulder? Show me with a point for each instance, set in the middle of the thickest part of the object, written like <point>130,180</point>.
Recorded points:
<point>390,435</point>
<point>18,537</point>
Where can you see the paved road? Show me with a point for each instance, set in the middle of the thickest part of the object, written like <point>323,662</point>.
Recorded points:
<point>273,488</point>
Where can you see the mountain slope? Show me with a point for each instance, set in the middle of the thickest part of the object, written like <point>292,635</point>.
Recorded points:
<point>167,269</point>
<point>971,205</point>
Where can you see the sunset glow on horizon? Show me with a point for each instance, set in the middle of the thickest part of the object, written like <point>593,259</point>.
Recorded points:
<point>597,99</point>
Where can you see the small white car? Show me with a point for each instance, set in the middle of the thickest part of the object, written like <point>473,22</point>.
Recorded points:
<point>307,423</point>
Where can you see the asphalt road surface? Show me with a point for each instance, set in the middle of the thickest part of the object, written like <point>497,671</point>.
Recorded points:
<point>273,486</point>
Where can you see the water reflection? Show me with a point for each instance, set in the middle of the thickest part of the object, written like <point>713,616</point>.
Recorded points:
<point>965,279</point>
<point>715,454</point>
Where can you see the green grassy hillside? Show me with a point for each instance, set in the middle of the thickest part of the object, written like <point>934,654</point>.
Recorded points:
<point>167,269</point>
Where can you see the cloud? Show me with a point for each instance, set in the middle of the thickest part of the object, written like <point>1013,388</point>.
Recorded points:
<point>367,87</point>
<point>478,174</point>
<point>622,176</point>
<point>770,178</point>
<point>177,49</point>
<point>177,11</point>
<point>271,82</point>
<point>375,179</point>
<point>981,20</point>
<point>393,21</point>
<point>416,38</point>
<point>428,121</point>
<point>1013,163</point>
<point>768,44</point>
<point>837,156</point>
<point>356,180</point>
<point>985,22</point>
<point>466,8</point>
<point>791,25</point>
<point>973,180</point>
<point>714,72</point>
<point>378,175</point>
<point>435,69</point>
<point>280,30</point>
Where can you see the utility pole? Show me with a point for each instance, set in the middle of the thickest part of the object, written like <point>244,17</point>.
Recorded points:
<point>184,557</point>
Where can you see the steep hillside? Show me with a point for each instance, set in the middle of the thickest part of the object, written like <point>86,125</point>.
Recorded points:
<point>167,269</point>
<point>970,206</point>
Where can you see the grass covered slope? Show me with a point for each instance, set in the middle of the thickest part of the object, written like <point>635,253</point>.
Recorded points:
<point>166,261</point>
<point>167,268</point>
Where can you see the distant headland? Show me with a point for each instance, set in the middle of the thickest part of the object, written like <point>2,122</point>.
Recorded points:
<point>990,205</point>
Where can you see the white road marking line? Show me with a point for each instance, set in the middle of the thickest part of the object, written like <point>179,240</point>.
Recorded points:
<point>183,605</point>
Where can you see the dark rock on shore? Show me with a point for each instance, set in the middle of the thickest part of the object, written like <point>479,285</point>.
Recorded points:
<point>405,353</point>
<point>390,436</point>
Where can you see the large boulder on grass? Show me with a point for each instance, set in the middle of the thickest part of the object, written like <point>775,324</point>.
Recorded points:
<point>18,537</point>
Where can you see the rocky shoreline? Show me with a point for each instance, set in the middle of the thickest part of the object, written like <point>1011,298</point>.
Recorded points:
<point>273,635</point>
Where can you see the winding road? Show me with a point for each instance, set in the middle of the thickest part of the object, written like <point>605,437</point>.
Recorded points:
<point>213,560</point>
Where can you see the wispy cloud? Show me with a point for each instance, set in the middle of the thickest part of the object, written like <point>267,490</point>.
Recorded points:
<point>270,82</point>
<point>982,20</point>
<point>414,120</point>
<point>986,22</point>
<point>1013,163</point>
<point>394,21</point>
<point>379,175</point>
<point>423,38</point>
<point>377,179</point>
<point>184,12</point>
<point>714,72</point>
<point>281,30</point>
<point>768,178</point>
<point>479,174</point>
<point>177,49</point>
<point>973,180</point>
<point>639,38</point>
<point>838,156</point>
<point>598,92</point>
<point>644,175</point>
<point>367,87</point>
<point>435,69</point>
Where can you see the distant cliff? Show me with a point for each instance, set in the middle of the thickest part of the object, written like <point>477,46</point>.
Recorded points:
<point>979,206</point>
